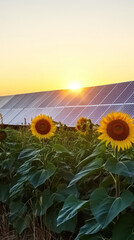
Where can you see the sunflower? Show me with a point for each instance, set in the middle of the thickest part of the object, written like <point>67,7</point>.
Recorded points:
<point>43,126</point>
<point>3,135</point>
<point>117,129</point>
<point>81,125</point>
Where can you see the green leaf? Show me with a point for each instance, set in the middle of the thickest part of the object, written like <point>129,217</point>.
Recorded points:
<point>26,166</point>
<point>18,187</point>
<point>51,222</point>
<point>99,150</point>
<point>38,177</point>
<point>8,164</point>
<point>28,153</point>
<point>21,223</point>
<point>87,171</point>
<point>131,237</point>
<point>4,192</point>
<point>95,237</point>
<point>123,229</point>
<point>16,209</point>
<point>71,207</point>
<point>123,168</point>
<point>65,191</point>
<point>45,201</point>
<point>106,208</point>
<point>106,182</point>
<point>61,150</point>
<point>91,227</point>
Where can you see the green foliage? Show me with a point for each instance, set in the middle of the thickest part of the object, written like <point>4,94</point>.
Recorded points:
<point>68,187</point>
<point>71,207</point>
<point>124,228</point>
<point>123,168</point>
<point>105,208</point>
<point>88,170</point>
<point>90,227</point>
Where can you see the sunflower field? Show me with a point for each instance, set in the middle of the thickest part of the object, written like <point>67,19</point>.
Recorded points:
<point>61,183</point>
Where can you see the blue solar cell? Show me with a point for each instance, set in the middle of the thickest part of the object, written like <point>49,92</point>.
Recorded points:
<point>126,93</point>
<point>60,96</point>
<point>24,101</point>
<point>3,111</point>
<point>15,100</point>
<point>85,112</point>
<point>78,97</point>
<point>49,100</point>
<point>11,114</point>
<point>102,94</point>
<point>130,99</point>
<point>5,100</point>
<point>18,119</point>
<point>93,94</point>
<point>73,114</point>
<point>54,112</point>
<point>28,98</point>
<point>116,92</point>
<point>129,109</point>
<point>62,115</point>
<point>85,96</point>
<point>108,109</point>
<point>68,98</point>
<point>38,98</point>
<point>97,112</point>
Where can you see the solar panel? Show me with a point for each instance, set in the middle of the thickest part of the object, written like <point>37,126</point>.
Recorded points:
<point>115,93</point>
<point>67,106</point>
<point>4,100</point>
<point>128,91</point>
<point>130,99</point>
<point>105,91</point>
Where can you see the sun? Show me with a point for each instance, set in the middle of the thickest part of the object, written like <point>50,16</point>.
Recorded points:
<point>74,86</point>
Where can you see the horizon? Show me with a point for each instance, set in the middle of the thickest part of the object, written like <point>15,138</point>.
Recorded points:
<point>68,89</point>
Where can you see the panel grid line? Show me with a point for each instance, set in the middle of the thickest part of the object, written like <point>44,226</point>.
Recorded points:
<point>113,102</point>
<point>89,103</point>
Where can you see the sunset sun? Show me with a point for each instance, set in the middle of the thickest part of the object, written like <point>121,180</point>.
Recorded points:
<point>74,86</point>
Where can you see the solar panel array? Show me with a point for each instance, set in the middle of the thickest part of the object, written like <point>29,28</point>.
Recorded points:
<point>67,106</point>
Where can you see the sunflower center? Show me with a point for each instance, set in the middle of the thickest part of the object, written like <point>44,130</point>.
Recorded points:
<point>118,130</point>
<point>43,126</point>
<point>84,126</point>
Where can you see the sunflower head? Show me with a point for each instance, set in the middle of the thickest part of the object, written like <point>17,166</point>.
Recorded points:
<point>117,129</point>
<point>83,125</point>
<point>43,127</point>
<point>3,135</point>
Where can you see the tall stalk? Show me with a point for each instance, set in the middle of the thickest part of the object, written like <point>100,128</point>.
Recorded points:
<point>117,178</point>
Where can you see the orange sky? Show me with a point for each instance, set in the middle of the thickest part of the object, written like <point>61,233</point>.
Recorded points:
<point>49,44</point>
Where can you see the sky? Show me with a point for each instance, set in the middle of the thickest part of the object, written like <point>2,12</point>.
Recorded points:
<point>50,44</point>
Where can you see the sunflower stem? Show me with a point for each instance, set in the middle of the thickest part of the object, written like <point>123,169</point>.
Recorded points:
<point>117,178</point>
<point>43,155</point>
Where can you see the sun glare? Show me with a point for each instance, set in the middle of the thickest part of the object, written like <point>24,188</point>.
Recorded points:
<point>74,86</point>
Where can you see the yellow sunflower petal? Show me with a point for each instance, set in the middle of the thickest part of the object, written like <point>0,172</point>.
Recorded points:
<point>117,129</point>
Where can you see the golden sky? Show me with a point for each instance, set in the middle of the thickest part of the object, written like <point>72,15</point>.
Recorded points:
<point>49,44</point>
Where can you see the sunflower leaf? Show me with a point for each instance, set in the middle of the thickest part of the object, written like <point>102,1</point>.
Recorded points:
<point>87,171</point>
<point>38,177</point>
<point>106,208</point>
<point>123,168</point>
